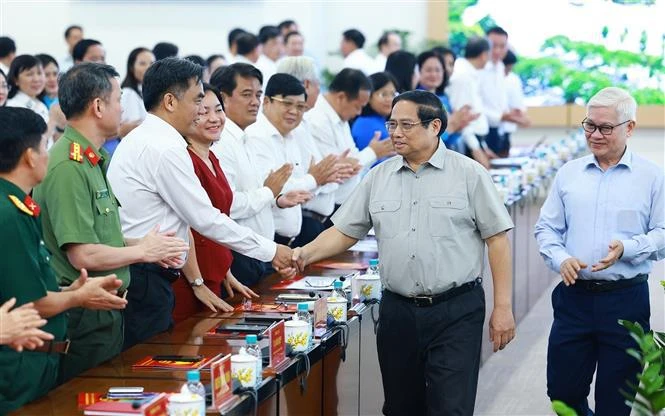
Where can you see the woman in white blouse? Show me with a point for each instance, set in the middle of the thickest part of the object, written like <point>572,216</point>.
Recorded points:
<point>26,81</point>
<point>133,110</point>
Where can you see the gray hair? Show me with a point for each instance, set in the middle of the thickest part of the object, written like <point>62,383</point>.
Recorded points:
<point>300,67</point>
<point>617,98</point>
<point>84,82</point>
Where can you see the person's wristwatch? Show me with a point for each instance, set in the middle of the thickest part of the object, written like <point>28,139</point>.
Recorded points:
<point>197,282</point>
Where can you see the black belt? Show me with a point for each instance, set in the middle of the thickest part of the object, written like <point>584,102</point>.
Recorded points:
<point>167,273</point>
<point>287,241</point>
<point>54,347</point>
<point>607,285</point>
<point>431,300</point>
<point>314,215</point>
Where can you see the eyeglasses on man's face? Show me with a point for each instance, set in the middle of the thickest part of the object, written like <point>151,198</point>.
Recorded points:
<point>604,129</point>
<point>300,106</point>
<point>391,125</point>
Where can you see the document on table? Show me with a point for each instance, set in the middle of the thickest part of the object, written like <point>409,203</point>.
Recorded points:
<point>317,283</point>
<point>365,246</point>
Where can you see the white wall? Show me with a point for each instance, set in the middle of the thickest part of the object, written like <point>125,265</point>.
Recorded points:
<point>199,27</point>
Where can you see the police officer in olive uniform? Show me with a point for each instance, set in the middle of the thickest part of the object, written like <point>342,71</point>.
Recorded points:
<point>24,262</point>
<point>80,212</point>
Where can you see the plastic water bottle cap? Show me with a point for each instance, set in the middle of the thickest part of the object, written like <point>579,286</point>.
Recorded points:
<point>337,284</point>
<point>303,306</point>
<point>374,262</point>
<point>251,339</point>
<point>193,375</point>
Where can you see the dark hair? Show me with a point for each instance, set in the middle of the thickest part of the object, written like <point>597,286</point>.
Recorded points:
<point>379,80</point>
<point>286,23</point>
<point>246,43</point>
<point>497,30</point>
<point>81,84</point>
<point>429,107</point>
<point>284,84</point>
<point>21,130</point>
<point>68,31</point>
<point>81,48</point>
<point>350,82</point>
<point>383,40</point>
<point>267,33</point>
<point>164,50</point>
<point>442,51</point>
<point>207,87</point>
<point>355,36</point>
<point>212,58</point>
<point>46,60</point>
<point>224,78</point>
<point>19,64</point>
<point>7,46</point>
<point>170,75</point>
<point>233,35</point>
<point>510,58</point>
<point>427,55</point>
<point>402,65</point>
<point>290,34</point>
<point>197,59</point>
<point>475,47</point>
<point>130,80</point>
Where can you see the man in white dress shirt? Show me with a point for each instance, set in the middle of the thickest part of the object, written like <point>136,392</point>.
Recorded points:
<point>328,122</point>
<point>73,34</point>
<point>248,48</point>
<point>354,55</point>
<point>494,94</point>
<point>388,43</point>
<point>254,193</point>
<point>515,98</point>
<point>7,53</point>
<point>272,48</point>
<point>272,138</point>
<point>154,180</point>
<point>464,90</point>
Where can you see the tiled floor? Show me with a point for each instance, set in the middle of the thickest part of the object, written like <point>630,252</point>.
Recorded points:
<point>512,382</point>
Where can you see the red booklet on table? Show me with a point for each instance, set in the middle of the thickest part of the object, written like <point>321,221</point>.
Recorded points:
<point>155,406</point>
<point>172,363</point>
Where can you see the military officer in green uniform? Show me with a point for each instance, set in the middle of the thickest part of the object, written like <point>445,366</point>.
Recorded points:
<point>80,212</point>
<point>25,273</point>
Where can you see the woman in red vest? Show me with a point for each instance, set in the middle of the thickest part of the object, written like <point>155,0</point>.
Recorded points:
<point>214,260</point>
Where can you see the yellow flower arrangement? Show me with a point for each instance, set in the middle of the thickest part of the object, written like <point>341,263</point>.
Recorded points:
<point>298,340</point>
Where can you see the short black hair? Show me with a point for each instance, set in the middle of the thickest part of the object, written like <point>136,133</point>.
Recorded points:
<point>197,59</point>
<point>285,24</point>
<point>19,64</point>
<point>355,36</point>
<point>267,33</point>
<point>290,34</point>
<point>212,58</point>
<point>224,78</point>
<point>170,75</point>
<point>81,84</point>
<point>81,48</point>
<point>46,59</point>
<point>497,30</point>
<point>284,84</point>
<point>350,82</point>
<point>7,46</point>
<point>475,47</point>
<point>510,58</point>
<point>69,29</point>
<point>246,43</point>
<point>207,87</point>
<point>443,51</point>
<point>429,107</point>
<point>379,80</point>
<point>427,55</point>
<point>21,130</point>
<point>402,65</point>
<point>130,80</point>
<point>383,40</point>
<point>233,35</point>
<point>165,50</point>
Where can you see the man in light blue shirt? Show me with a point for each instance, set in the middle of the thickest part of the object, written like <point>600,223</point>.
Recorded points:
<point>601,228</point>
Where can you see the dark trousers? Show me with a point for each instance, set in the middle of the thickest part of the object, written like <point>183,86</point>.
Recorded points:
<point>150,304</point>
<point>430,356</point>
<point>585,335</point>
<point>247,270</point>
<point>95,335</point>
<point>498,143</point>
<point>309,230</point>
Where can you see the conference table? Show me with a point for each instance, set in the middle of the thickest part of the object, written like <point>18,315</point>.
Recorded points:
<point>342,375</point>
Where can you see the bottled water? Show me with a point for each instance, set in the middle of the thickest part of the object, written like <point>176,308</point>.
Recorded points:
<point>254,350</point>
<point>304,315</point>
<point>195,386</point>
<point>373,267</point>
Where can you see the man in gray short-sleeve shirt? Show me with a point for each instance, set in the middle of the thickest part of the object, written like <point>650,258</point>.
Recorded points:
<point>433,211</point>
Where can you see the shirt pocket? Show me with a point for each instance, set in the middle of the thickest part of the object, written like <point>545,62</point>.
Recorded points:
<point>444,214</point>
<point>104,220</point>
<point>385,217</point>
